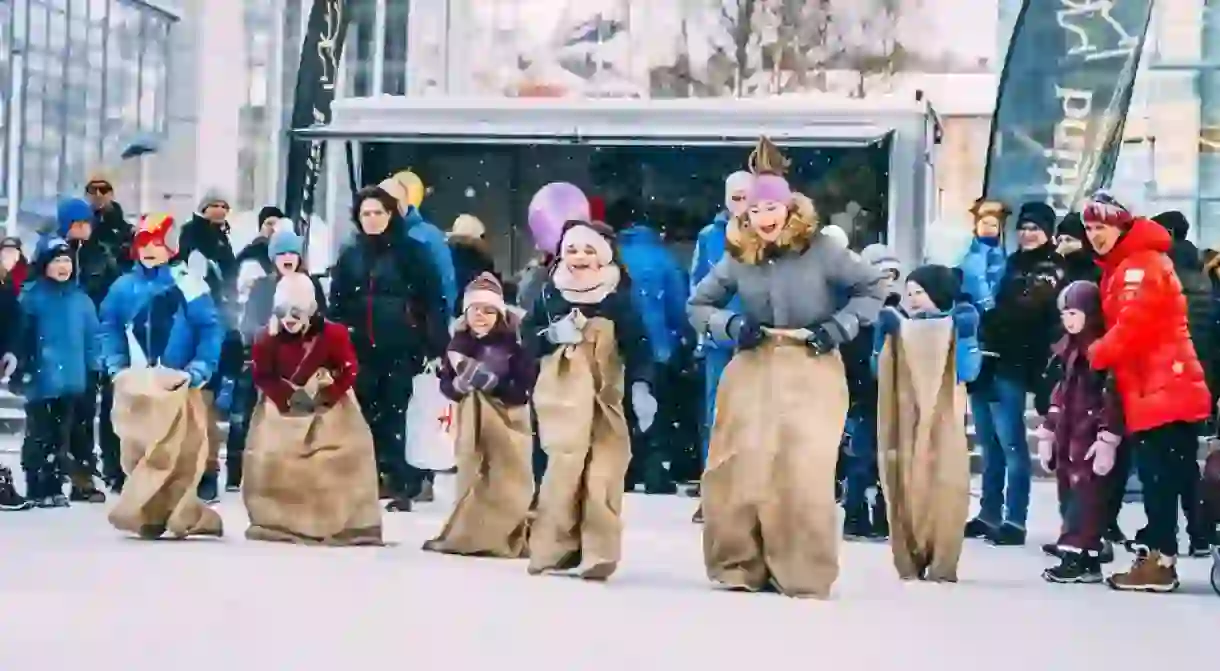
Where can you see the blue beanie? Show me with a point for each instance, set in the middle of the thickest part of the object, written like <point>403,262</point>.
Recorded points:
<point>284,242</point>
<point>49,248</point>
<point>71,211</point>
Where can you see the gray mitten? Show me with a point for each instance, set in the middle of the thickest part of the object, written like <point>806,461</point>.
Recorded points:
<point>483,379</point>
<point>301,402</point>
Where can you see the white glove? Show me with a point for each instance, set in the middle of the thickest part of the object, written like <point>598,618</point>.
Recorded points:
<point>565,332</point>
<point>1046,447</point>
<point>1103,452</point>
<point>8,365</point>
<point>644,404</point>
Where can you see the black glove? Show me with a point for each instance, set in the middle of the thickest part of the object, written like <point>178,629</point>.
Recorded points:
<point>749,333</point>
<point>301,402</point>
<point>820,341</point>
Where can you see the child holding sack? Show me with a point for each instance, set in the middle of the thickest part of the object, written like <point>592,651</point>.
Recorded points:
<point>309,474</point>
<point>923,362</point>
<point>489,374</point>
<point>1080,438</point>
<point>592,344</point>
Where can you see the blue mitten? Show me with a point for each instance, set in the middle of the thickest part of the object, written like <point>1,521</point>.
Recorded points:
<point>888,322</point>
<point>747,332</point>
<point>197,379</point>
<point>965,321</point>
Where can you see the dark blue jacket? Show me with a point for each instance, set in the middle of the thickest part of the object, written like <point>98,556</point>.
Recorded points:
<point>60,339</point>
<point>172,318</point>
<point>659,289</point>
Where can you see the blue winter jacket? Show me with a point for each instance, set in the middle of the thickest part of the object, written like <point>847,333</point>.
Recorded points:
<point>61,339</point>
<point>709,248</point>
<point>969,357</point>
<point>423,231</point>
<point>172,316</point>
<point>982,270</point>
<point>659,289</point>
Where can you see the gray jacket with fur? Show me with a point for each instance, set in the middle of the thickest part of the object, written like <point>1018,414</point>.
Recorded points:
<point>825,285</point>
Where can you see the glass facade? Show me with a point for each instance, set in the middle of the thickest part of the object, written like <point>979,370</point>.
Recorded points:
<point>90,76</point>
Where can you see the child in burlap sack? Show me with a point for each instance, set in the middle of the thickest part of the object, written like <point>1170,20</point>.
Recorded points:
<point>489,374</point>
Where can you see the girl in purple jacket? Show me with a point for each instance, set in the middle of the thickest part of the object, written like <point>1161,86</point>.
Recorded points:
<point>1079,440</point>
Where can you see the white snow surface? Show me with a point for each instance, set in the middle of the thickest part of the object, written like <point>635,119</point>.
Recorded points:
<point>75,593</point>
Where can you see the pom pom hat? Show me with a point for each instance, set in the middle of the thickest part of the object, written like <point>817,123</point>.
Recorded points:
<point>1102,208</point>
<point>485,290</point>
<point>156,228</point>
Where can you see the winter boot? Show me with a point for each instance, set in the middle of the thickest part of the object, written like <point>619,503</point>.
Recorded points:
<point>233,475</point>
<point>1074,567</point>
<point>399,503</point>
<point>1007,535</point>
<point>9,498</point>
<point>84,491</point>
<point>1107,552</point>
<point>208,491</point>
<point>657,479</point>
<point>1151,572</point>
<point>977,528</point>
<point>427,493</point>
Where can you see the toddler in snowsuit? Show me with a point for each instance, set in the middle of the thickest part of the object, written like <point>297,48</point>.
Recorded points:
<point>489,374</point>
<point>58,353</point>
<point>1080,437</point>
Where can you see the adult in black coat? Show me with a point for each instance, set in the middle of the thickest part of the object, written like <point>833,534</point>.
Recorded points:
<point>471,254</point>
<point>385,289</point>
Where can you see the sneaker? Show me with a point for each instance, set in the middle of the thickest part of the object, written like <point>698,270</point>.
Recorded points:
<point>233,478</point>
<point>1007,535</point>
<point>88,494</point>
<point>207,489</point>
<point>1151,572</point>
<point>1074,567</point>
<point>9,498</point>
<point>977,528</point>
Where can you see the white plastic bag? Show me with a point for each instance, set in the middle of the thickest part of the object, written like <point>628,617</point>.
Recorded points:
<point>430,428</point>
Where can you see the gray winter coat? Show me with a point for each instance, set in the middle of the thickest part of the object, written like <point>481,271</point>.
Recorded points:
<point>823,286</point>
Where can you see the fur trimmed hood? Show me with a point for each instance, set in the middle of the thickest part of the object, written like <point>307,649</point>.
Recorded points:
<point>744,245</point>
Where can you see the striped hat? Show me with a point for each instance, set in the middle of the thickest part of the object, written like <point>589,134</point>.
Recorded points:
<point>485,290</point>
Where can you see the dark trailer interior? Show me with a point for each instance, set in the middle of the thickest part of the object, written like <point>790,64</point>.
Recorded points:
<point>488,158</point>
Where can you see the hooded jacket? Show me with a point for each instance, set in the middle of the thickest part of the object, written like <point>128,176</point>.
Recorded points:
<point>60,337</point>
<point>1147,344</point>
<point>982,271</point>
<point>659,289</point>
<point>386,290</point>
<point>433,239</point>
<point>709,249</point>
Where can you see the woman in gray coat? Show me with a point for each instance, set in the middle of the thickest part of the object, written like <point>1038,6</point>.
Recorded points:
<point>782,403</point>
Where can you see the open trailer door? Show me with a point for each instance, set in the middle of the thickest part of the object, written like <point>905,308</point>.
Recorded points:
<point>866,164</point>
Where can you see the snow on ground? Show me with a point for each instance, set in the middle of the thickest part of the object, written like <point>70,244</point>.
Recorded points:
<point>74,593</point>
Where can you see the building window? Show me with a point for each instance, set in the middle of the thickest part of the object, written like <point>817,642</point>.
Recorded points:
<point>394,77</point>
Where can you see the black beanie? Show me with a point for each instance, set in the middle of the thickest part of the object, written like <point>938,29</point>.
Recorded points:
<point>269,211</point>
<point>1072,225</point>
<point>1038,214</point>
<point>1175,223</point>
<point>942,284</point>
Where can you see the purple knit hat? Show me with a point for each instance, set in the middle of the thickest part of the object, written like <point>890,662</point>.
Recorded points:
<point>770,188</point>
<point>1083,296</point>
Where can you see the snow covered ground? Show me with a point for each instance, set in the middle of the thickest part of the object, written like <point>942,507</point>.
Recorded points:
<point>74,593</point>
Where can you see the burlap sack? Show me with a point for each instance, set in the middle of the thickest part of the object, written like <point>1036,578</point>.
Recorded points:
<point>163,449</point>
<point>312,478</point>
<point>579,402</point>
<point>495,481</point>
<point>770,520</point>
<point>923,457</point>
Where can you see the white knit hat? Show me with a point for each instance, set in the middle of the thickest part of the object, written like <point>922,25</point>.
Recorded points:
<point>294,291</point>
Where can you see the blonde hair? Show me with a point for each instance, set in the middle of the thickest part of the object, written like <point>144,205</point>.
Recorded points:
<point>766,159</point>
<point>745,245</point>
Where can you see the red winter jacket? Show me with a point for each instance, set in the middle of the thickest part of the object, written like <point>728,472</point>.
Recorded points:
<point>1147,345</point>
<point>283,362</point>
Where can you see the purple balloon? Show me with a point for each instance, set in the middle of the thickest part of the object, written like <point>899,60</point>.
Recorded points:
<point>553,205</point>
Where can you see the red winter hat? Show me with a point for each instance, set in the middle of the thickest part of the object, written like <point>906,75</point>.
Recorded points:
<point>155,228</point>
<point>1102,208</point>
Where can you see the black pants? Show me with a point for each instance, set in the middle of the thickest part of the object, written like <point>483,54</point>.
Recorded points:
<point>384,391</point>
<point>1166,458</point>
<point>539,455</point>
<point>51,425</point>
<point>651,449</point>
<point>108,440</point>
<point>245,397</point>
